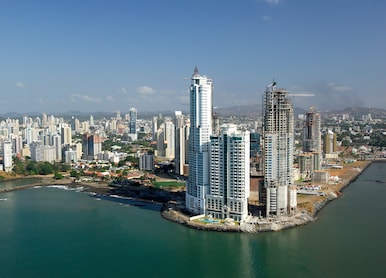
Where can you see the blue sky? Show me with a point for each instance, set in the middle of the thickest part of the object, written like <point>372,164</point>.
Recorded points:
<point>99,55</point>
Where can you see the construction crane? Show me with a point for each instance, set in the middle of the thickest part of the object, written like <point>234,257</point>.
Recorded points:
<point>291,94</point>
<point>300,95</point>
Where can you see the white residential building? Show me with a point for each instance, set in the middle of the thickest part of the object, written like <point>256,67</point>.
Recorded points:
<point>7,156</point>
<point>199,142</point>
<point>229,174</point>
<point>170,139</point>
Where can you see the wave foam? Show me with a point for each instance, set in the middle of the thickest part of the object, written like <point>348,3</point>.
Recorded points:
<point>65,187</point>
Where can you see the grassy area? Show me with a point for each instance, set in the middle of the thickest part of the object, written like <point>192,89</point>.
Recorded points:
<point>160,184</point>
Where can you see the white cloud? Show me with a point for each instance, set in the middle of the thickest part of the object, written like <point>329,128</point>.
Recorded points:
<point>145,90</point>
<point>109,98</point>
<point>338,88</point>
<point>20,84</point>
<point>122,90</point>
<point>272,2</point>
<point>267,17</point>
<point>84,98</point>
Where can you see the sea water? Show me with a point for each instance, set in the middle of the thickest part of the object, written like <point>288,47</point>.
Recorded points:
<point>54,232</point>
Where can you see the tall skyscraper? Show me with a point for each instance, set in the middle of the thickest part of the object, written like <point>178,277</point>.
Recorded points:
<point>91,120</point>
<point>278,135</point>
<point>170,139</point>
<point>161,142</point>
<point>312,145</point>
<point>229,174</point>
<point>199,142</point>
<point>181,144</point>
<point>66,135</point>
<point>133,124</point>
<point>57,143</point>
<point>154,128</point>
<point>312,140</point>
<point>73,128</point>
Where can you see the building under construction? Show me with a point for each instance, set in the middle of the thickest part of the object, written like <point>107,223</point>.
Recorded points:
<point>278,138</point>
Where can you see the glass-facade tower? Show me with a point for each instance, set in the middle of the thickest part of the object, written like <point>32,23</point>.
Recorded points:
<point>199,143</point>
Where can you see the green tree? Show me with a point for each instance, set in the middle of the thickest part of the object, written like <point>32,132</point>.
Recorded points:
<point>31,167</point>
<point>45,168</point>
<point>58,176</point>
<point>74,173</point>
<point>19,166</point>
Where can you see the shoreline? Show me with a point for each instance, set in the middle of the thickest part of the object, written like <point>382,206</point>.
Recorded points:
<point>302,217</point>
<point>319,206</point>
<point>174,211</point>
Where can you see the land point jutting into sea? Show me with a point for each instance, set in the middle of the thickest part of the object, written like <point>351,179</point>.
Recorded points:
<point>208,171</point>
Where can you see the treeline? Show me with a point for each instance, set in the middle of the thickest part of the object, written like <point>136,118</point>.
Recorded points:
<point>30,167</point>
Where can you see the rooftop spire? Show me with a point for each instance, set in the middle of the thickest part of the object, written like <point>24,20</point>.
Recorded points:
<point>196,71</point>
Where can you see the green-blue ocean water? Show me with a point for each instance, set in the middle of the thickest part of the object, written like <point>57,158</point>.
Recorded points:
<point>51,232</point>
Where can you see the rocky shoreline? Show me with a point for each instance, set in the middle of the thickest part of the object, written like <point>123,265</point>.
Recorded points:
<point>256,225</point>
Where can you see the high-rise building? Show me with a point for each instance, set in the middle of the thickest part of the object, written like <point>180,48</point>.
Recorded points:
<point>66,135</point>
<point>17,144</point>
<point>181,143</point>
<point>229,174</point>
<point>91,120</point>
<point>199,142</point>
<point>278,135</point>
<point>57,143</point>
<point>133,124</point>
<point>7,156</point>
<point>30,134</point>
<point>73,126</point>
<point>329,142</point>
<point>155,128</point>
<point>255,144</point>
<point>44,120</point>
<point>170,139</point>
<point>312,140</point>
<point>161,146</point>
<point>146,162</point>
<point>91,145</point>
<point>40,152</point>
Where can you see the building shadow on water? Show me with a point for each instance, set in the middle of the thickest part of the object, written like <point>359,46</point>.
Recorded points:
<point>148,205</point>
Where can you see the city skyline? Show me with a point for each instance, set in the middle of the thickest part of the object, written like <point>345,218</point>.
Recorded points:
<point>106,56</point>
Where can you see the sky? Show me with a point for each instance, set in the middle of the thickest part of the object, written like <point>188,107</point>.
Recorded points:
<point>109,55</point>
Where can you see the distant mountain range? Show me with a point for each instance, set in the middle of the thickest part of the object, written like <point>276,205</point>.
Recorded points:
<point>359,111</point>
<point>250,111</point>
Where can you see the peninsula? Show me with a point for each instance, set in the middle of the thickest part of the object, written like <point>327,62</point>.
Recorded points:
<point>173,206</point>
